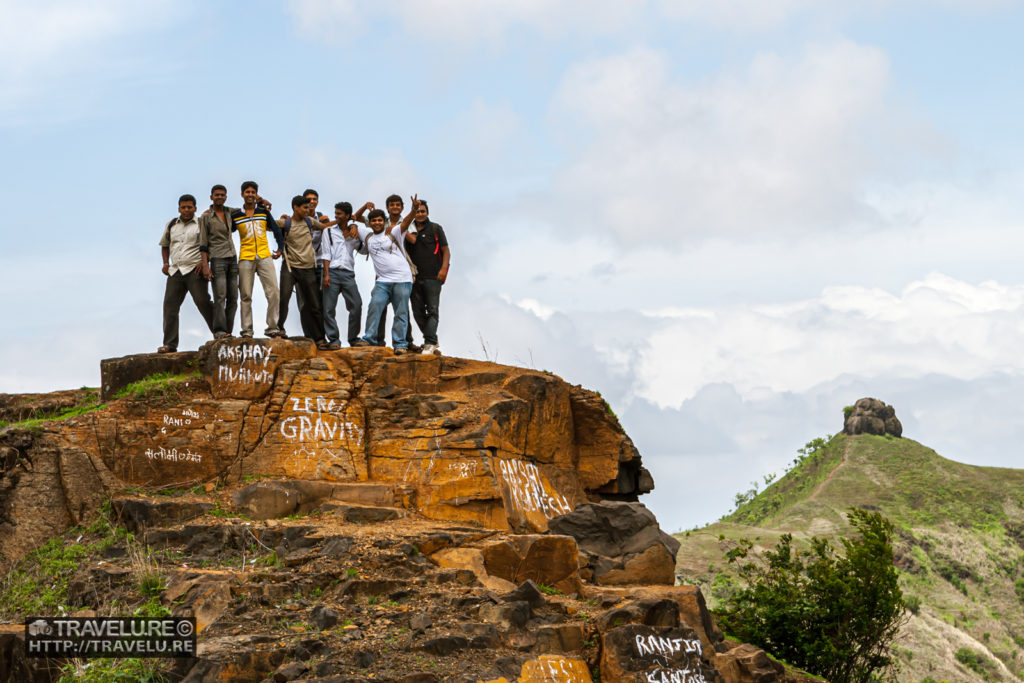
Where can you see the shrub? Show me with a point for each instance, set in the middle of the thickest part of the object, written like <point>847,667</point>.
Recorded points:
<point>834,615</point>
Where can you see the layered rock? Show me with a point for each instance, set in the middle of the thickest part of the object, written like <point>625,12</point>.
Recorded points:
<point>506,500</point>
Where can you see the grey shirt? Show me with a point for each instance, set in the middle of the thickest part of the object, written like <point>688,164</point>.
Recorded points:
<point>215,234</point>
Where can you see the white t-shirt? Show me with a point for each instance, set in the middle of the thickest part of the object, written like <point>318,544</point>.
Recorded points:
<point>388,255</point>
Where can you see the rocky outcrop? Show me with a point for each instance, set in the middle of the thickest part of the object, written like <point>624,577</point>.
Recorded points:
<point>449,438</point>
<point>355,514</point>
<point>621,543</point>
<point>871,416</point>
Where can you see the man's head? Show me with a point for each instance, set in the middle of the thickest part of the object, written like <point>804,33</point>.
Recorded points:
<point>250,190</point>
<point>422,212</point>
<point>394,205</point>
<point>218,195</point>
<point>342,212</point>
<point>314,199</point>
<point>300,206</point>
<point>186,207</point>
<point>376,219</point>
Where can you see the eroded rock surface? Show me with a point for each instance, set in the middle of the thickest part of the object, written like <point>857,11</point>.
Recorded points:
<point>330,516</point>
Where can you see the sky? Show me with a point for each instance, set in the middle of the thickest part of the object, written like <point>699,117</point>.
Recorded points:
<point>731,218</point>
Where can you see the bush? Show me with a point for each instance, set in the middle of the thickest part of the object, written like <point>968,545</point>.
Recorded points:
<point>913,603</point>
<point>834,615</point>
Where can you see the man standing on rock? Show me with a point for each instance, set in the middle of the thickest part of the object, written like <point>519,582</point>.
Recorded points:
<point>215,228</point>
<point>428,248</point>
<point>386,247</point>
<point>287,281</point>
<point>394,205</point>
<point>252,222</point>
<point>336,254</point>
<point>300,259</point>
<point>185,266</point>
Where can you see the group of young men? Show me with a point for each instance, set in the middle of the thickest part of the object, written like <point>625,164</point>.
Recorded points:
<point>410,260</point>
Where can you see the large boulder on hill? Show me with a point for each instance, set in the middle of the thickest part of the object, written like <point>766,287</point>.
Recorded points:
<point>621,543</point>
<point>871,416</point>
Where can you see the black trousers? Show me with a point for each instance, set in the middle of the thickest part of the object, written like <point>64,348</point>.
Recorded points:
<point>311,311</point>
<point>425,301</point>
<point>174,294</point>
<point>287,284</point>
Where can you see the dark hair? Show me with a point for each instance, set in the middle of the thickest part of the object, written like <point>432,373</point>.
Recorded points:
<point>394,198</point>
<point>312,192</point>
<point>186,198</point>
<point>424,203</point>
<point>375,213</point>
<point>250,183</point>
<point>218,187</point>
<point>299,200</point>
<point>345,207</point>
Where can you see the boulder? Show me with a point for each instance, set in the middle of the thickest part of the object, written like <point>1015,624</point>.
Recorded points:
<point>555,669</point>
<point>549,560</point>
<point>871,416</point>
<point>748,664</point>
<point>621,541</point>
<point>637,652</point>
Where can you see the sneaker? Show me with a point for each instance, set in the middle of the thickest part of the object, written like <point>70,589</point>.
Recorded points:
<point>401,351</point>
<point>429,349</point>
<point>414,348</point>
<point>246,335</point>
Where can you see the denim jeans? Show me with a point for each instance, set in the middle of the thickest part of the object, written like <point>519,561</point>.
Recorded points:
<point>342,281</point>
<point>425,301</point>
<point>225,293</point>
<point>397,294</point>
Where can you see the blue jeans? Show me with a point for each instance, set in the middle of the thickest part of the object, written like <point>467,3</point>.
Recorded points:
<point>397,294</point>
<point>343,281</point>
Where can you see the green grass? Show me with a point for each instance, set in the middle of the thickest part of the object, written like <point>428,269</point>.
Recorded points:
<point>86,404</point>
<point>959,547</point>
<point>158,384</point>
<point>115,671</point>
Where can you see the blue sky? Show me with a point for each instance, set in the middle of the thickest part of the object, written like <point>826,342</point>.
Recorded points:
<point>731,218</point>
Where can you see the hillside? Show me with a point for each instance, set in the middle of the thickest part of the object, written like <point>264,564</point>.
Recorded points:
<point>960,546</point>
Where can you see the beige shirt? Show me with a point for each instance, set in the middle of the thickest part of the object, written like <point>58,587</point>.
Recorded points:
<point>183,241</point>
<point>298,244</point>
<point>215,234</point>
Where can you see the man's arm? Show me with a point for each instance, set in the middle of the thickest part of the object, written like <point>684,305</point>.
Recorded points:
<point>358,215</point>
<point>277,227</point>
<point>165,252</point>
<point>407,221</point>
<point>204,246</point>
<point>442,274</point>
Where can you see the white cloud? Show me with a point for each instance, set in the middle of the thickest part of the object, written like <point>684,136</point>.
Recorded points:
<point>461,24</point>
<point>938,324</point>
<point>785,146</point>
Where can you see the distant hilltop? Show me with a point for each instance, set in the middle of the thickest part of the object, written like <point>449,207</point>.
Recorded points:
<point>959,542</point>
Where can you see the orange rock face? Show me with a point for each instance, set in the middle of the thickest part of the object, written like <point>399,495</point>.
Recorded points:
<point>457,439</point>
